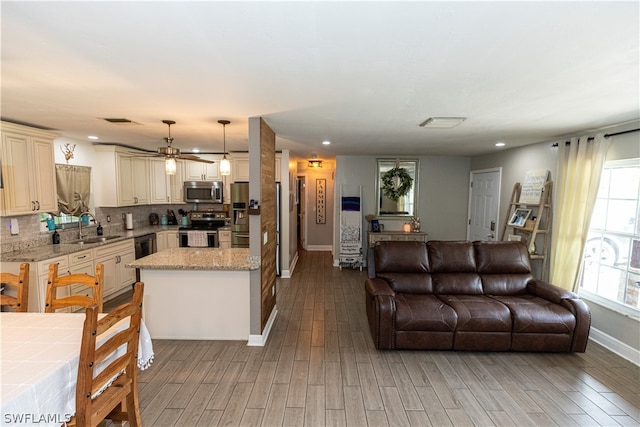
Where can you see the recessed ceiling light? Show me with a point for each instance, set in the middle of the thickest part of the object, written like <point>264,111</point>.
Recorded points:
<point>195,150</point>
<point>93,137</point>
<point>326,142</point>
<point>442,122</point>
<point>500,144</point>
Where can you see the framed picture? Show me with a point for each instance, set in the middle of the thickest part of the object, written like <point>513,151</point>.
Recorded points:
<point>519,217</point>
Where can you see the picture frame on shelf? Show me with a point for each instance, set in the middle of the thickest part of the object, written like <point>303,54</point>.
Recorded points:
<point>519,217</point>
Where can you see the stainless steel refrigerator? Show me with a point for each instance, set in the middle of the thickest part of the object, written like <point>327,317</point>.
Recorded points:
<point>278,231</point>
<point>240,215</point>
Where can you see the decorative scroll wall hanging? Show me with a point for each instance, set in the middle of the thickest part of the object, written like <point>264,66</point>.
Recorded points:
<point>321,207</point>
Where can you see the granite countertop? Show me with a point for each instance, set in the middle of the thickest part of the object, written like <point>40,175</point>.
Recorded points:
<point>199,259</point>
<point>45,252</point>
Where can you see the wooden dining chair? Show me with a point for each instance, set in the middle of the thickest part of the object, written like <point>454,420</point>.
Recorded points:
<point>107,386</point>
<point>19,282</point>
<point>55,282</point>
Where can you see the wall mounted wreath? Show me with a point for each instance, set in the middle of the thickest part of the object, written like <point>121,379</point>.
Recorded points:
<point>389,188</point>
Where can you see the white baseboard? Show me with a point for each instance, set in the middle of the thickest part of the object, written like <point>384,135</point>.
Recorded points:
<point>618,347</point>
<point>320,248</point>
<point>261,340</point>
<point>286,274</point>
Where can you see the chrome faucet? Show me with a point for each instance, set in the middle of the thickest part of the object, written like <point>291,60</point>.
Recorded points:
<point>82,236</point>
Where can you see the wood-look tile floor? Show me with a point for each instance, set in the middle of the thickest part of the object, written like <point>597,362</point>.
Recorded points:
<point>320,368</point>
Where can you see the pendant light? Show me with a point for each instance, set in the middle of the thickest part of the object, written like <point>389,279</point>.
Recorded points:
<point>225,164</point>
<point>170,166</point>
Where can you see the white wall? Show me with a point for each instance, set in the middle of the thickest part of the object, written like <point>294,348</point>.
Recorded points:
<point>442,200</point>
<point>517,161</point>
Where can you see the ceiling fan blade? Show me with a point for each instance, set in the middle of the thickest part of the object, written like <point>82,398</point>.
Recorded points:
<point>193,158</point>
<point>132,154</point>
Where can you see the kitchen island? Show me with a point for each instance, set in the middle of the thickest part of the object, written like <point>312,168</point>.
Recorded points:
<point>197,293</point>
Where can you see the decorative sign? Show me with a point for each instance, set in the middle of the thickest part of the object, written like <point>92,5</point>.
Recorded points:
<point>321,197</point>
<point>533,186</point>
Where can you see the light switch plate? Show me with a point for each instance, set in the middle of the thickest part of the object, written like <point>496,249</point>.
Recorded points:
<point>265,238</point>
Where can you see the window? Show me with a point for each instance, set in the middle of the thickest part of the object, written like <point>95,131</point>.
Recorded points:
<point>611,267</point>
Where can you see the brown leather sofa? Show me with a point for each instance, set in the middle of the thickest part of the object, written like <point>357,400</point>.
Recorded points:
<point>459,295</point>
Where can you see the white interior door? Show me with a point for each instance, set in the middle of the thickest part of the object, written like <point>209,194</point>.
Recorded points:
<point>484,202</point>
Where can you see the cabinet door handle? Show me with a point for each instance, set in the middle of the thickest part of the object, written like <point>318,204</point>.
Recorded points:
<point>33,205</point>
<point>37,205</point>
<point>82,257</point>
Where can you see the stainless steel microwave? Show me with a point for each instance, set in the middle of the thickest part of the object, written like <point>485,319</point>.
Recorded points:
<point>203,191</point>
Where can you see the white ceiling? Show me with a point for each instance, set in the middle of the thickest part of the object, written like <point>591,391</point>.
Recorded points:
<point>361,74</point>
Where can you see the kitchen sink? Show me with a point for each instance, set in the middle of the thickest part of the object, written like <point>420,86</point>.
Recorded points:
<point>99,239</point>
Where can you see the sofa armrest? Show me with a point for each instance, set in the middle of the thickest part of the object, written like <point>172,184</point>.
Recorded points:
<point>549,292</point>
<point>381,309</point>
<point>375,286</point>
<point>573,303</point>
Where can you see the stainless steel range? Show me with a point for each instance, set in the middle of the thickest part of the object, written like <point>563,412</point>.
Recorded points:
<point>203,231</point>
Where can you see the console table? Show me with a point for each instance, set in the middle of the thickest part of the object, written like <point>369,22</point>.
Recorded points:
<point>396,235</point>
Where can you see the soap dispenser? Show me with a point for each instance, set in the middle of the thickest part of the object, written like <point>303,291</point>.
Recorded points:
<point>99,230</point>
<point>55,237</point>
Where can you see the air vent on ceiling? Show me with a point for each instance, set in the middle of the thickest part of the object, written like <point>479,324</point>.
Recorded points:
<point>442,122</point>
<point>119,121</point>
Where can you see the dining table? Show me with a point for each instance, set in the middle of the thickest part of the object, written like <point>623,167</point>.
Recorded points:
<point>39,356</point>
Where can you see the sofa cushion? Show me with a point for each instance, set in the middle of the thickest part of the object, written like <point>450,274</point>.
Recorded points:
<point>423,313</point>
<point>410,283</point>
<point>479,313</point>
<point>532,314</point>
<point>502,257</point>
<point>451,256</point>
<point>401,257</point>
<point>456,283</point>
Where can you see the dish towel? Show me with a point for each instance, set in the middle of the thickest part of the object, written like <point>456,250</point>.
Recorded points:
<point>197,239</point>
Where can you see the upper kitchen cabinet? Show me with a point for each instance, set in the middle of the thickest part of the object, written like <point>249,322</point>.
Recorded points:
<point>123,177</point>
<point>28,170</point>
<point>165,188</point>
<point>240,168</point>
<point>199,171</point>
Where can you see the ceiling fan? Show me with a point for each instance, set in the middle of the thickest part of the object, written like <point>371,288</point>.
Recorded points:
<point>170,153</point>
<point>174,153</point>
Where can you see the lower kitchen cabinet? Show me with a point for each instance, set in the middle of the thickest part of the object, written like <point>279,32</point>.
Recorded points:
<point>114,257</point>
<point>224,239</point>
<point>167,240</point>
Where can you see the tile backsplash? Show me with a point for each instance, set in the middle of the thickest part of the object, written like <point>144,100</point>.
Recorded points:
<point>30,235</point>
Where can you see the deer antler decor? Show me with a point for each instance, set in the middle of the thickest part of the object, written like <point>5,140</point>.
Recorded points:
<point>68,151</point>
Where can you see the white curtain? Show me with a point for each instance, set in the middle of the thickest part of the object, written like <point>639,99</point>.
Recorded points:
<point>579,170</point>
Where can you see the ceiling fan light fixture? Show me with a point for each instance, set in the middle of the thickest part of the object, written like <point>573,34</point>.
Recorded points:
<point>225,164</point>
<point>170,166</point>
<point>442,122</point>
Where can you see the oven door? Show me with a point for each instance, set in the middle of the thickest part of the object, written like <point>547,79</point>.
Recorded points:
<point>212,239</point>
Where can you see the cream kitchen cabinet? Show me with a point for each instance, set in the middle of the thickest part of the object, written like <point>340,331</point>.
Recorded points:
<point>28,170</point>
<point>165,188</point>
<point>240,168</point>
<point>81,263</point>
<point>199,171</point>
<point>167,239</point>
<point>224,238</point>
<point>123,177</point>
<point>114,257</point>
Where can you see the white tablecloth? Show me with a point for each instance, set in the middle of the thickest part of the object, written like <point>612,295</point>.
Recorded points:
<point>39,354</point>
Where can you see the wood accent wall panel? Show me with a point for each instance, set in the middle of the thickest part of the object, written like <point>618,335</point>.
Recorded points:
<point>267,220</point>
